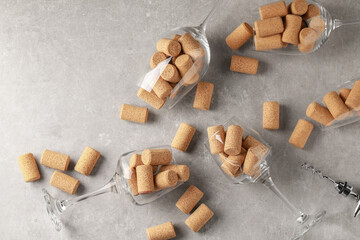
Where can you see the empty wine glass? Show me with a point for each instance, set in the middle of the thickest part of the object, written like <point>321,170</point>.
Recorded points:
<point>117,184</point>
<point>262,175</point>
<point>330,25</point>
<point>351,117</point>
<point>200,65</point>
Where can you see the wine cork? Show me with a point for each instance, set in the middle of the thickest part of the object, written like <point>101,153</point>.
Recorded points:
<point>161,232</point>
<point>250,141</point>
<point>292,29</point>
<point>176,37</point>
<point>169,47</point>
<point>344,93</point>
<point>203,96</point>
<point>268,43</point>
<point>353,100</point>
<point>299,7</point>
<point>319,114</point>
<point>156,58</point>
<point>29,168</point>
<point>135,160</point>
<point>183,63</point>
<point>273,10</point>
<point>183,137</point>
<point>55,160</point>
<point>233,140</point>
<point>151,98</point>
<point>145,179</point>
<point>182,171</point>
<point>189,199</point>
<point>191,46</point>
<point>199,218</point>
<point>170,74</point>
<point>64,182</point>
<point>312,11</point>
<point>244,64</point>
<point>132,182</point>
<point>87,161</point>
<point>162,88</point>
<point>335,105</point>
<point>165,179</point>
<point>231,164</point>
<point>252,161</point>
<point>156,157</point>
<point>134,113</point>
<point>301,133</point>
<point>271,115</point>
<point>239,36</point>
<point>318,24</point>
<point>216,136</point>
<point>186,67</point>
<point>305,48</point>
<point>269,26</point>
<point>307,36</point>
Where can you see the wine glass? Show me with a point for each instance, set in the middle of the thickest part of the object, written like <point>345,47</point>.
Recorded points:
<point>200,65</point>
<point>330,25</point>
<point>117,184</point>
<point>262,175</point>
<point>351,117</point>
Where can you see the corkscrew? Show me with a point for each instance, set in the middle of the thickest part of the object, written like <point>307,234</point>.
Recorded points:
<point>341,187</point>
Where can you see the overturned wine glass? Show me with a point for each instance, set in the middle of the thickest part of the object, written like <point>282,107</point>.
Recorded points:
<point>320,20</point>
<point>238,172</point>
<point>190,76</point>
<point>119,183</point>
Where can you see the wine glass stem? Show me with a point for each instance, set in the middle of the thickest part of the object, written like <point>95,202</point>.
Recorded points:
<point>109,187</point>
<point>268,182</point>
<point>211,13</point>
<point>339,23</point>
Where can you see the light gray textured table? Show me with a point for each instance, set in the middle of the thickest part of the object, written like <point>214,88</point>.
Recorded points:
<point>67,66</point>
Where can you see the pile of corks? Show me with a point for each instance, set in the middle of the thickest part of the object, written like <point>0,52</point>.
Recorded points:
<point>59,161</point>
<point>186,204</point>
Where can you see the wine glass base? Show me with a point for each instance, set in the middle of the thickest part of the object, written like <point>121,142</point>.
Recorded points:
<point>308,224</point>
<point>52,210</point>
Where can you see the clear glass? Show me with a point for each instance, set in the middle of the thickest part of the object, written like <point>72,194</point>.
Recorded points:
<point>200,66</point>
<point>305,221</point>
<point>352,117</point>
<point>330,25</point>
<point>117,184</point>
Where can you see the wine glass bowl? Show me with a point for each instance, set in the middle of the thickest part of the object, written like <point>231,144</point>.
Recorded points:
<point>329,24</point>
<point>201,64</point>
<point>123,174</point>
<point>117,184</point>
<point>263,165</point>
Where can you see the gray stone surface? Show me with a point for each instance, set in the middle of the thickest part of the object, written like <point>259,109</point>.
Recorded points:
<point>67,66</point>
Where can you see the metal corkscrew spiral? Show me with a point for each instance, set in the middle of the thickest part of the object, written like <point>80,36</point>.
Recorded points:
<point>341,187</point>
